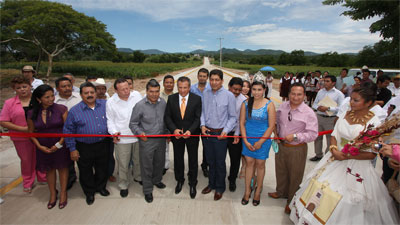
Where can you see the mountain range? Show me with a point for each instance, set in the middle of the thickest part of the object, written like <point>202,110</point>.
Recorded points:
<point>224,51</point>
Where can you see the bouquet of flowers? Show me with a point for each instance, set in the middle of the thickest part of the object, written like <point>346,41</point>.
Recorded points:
<point>370,134</point>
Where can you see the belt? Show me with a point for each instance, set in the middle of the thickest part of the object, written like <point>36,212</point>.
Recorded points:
<point>289,145</point>
<point>325,116</point>
<point>218,130</point>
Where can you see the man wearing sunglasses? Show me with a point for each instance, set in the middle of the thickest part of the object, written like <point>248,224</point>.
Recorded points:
<point>297,124</point>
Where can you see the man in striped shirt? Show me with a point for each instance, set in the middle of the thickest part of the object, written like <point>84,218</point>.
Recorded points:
<point>89,117</point>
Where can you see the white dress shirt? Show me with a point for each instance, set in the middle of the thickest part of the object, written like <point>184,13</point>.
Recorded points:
<point>393,101</point>
<point>36,83</point>
<point>395,91</point>
<point>74,99</point>
<point>336,95</point>
<point>119,112</point>
<point>186,100</point>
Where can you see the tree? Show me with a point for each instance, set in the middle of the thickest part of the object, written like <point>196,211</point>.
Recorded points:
<point>284,59</point>
<point>387,11</point>
<point>380,55</point>
<point>297,57</point>
<point>138,56</point>
<point>54,28</point>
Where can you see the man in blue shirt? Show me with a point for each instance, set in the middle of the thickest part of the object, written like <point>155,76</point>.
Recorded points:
<point>218,117</point>
<point>198,89</point>
<point>89,117</point>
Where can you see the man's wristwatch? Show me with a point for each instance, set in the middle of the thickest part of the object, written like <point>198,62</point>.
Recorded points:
<point>295,137</point>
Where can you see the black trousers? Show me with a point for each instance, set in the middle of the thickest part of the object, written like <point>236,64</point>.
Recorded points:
<point>93,156</point>
<point>204,164</point>
<point>72,173</point>
<point>111,159</point>
<point>235,154</point>
<point>387,171</point>
<point>192,145</point>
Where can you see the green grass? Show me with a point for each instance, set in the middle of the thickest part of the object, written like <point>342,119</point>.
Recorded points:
<point>281,69</point>
<point>106,69</point>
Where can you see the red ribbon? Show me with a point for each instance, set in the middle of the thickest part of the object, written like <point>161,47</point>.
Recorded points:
<point>48,135</point>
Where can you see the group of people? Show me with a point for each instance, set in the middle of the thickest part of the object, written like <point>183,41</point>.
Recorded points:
<point>239,121</point>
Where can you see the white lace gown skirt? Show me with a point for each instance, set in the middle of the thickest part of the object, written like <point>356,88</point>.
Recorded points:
<point>365,199</point>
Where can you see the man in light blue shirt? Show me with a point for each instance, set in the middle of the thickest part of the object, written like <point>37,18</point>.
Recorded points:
<point>198,89</point>
<point>218,117</point>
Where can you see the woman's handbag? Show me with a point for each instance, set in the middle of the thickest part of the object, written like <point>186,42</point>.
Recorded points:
<point>275,146</point>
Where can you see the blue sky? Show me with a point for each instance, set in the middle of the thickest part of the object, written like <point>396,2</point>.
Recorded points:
<point>184,26</point>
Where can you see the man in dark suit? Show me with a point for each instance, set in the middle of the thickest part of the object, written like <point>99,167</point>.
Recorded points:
<point>182,117</point>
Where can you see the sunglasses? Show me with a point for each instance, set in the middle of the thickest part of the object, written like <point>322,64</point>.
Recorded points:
<point>289,116</point>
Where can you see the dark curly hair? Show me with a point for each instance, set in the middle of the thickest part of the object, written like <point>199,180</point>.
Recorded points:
<point>34,105</point>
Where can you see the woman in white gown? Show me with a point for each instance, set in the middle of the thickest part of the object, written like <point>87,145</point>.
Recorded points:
<point>347,190</point>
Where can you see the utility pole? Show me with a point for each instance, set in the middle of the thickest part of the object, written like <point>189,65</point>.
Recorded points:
<point>220,51</point>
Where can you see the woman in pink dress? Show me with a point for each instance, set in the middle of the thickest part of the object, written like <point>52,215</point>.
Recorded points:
<point>13,117</point>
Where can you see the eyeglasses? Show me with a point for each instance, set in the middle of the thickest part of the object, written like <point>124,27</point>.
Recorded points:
<point>289,116</point>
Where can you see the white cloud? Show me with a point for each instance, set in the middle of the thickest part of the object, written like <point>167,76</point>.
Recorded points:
<point>195,47</point>
<point>251,28</point>
<point>201,40</point>
<point>289,39</point>
<point>162,10</point>
<point>281,3</point>
<point>347,25</point>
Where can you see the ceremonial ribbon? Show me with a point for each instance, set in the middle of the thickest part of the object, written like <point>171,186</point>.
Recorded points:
<point>48,135</point>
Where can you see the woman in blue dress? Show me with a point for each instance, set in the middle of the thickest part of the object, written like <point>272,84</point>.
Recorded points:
<point>257,119</point>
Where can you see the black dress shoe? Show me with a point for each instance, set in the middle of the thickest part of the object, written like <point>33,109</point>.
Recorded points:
<point>124,193</point>
<point>160,185</point>
<point>148,197</point>
<point>232,186</point>
<point>71,183</point>
<point>178,187</point>
<point>89,199</point>
<point>104,192</point>
<point>315,158</point>
<point>139,181</point>
<point>205,172</point>
<point>193,192</point>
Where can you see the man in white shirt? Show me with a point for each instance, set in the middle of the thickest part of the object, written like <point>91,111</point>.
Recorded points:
<point>29,73</point>
<point>118,110</point>
<point>326,115</point>
<point>72,79</point>
<point>65,96</point>
<point>395,86</point>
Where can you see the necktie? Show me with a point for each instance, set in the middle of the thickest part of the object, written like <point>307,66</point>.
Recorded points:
<point>183,107</point>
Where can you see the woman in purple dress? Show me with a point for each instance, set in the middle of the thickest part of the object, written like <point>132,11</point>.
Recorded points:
<point>45,116</point>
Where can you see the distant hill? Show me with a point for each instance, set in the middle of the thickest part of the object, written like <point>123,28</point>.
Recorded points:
<point>126,50</point>
<point>225,51</point>
<point>152,52</point>
<point>147,51</point>
<point>248,52</point>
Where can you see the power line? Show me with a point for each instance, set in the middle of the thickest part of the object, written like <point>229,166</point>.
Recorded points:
<point>220,51</point>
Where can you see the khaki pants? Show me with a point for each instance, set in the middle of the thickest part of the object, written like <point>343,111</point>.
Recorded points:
<point>124,153</point>
<point>324,123</point>
<point>290,163</point>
